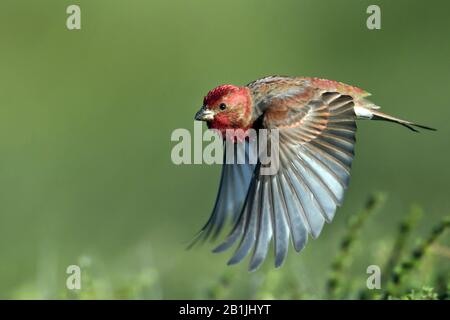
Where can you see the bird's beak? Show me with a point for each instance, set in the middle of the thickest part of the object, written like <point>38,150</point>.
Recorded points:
<point>204,115</point>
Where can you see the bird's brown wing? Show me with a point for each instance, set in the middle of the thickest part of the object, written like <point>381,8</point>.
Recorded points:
<point>316,142</point>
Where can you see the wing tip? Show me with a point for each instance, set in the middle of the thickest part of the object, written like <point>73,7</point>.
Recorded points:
<point>222,247</point>
<point>279,261</point>
<point>299,244</point>
<point>255,264</point>
<point>234,260</point>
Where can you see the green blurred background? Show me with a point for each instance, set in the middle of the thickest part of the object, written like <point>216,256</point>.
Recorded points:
<point>86,118</point>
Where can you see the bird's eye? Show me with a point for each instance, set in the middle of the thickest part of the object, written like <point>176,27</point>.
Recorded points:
<point>222,106</point>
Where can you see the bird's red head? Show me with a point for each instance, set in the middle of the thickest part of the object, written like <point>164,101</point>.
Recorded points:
<point>227,107</point>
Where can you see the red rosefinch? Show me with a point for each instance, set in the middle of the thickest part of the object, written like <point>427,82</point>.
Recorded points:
<point>316,123</point>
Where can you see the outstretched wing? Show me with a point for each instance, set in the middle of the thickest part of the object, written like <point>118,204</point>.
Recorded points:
<point>316,147</point>
<point>237,172</point>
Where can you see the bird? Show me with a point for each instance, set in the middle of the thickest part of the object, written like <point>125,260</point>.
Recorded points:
<point>316,123</point>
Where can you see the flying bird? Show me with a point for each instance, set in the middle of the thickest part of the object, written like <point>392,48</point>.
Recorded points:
<point>316,123</point>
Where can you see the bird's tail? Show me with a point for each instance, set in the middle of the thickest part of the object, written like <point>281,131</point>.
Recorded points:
<point>373,114</point>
